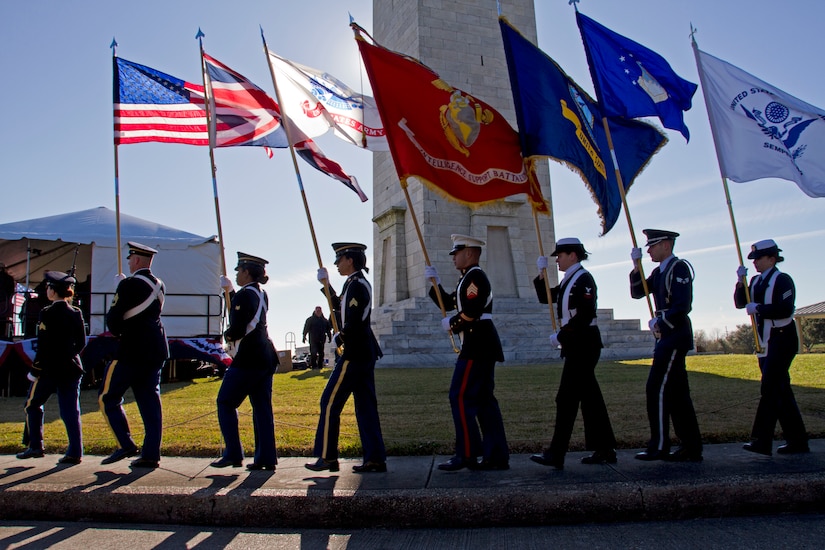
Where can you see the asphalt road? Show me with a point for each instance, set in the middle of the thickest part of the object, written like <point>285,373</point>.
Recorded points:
<point>769,532</point>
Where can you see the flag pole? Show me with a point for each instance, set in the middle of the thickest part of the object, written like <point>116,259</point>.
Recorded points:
<point>117,170</point>
<point>541,253</point>
<point>433,280</point>
<point>357,30</point>
<point>285,122</point>
<point>544,272</point>
<point>728,200</point>
<point>210,122</point>
<point>627,213</point>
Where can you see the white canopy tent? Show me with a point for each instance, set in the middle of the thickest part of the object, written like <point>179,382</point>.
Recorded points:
<point>189,265</point>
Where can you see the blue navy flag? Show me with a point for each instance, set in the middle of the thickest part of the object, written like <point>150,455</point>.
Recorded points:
<point>557,119</point>
<point>633,81</point>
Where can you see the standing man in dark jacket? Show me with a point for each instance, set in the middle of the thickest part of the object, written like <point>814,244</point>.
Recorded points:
<point>354,372</point>
<point>142,351</point>
<point>581,347</point>
<point>667,390</point>
<point>319,330</point>
<point>252,368</point>
<point>478,423</point>
<point>773,298</point>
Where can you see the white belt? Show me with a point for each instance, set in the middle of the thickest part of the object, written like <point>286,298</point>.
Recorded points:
<point>779,323</point>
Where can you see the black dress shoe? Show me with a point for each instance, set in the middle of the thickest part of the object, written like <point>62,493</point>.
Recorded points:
<point>493,465</point>
<point>756,448</point>
<point>321,465</point>
<point>69,460</point>
<point>255,466</point>
<point>224,462</point>
<point>684,455</point>
<point>370,466</point>
<point>144,463</point>
<point>457,463</point>
<point>652,454</point>
<point>119,455</point>
<point>548,459</point>
<point>793,448</point>
<point>600,457</point>
<point>30,453</point>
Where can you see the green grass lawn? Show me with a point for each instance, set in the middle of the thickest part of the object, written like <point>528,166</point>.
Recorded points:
<point>415,412</point>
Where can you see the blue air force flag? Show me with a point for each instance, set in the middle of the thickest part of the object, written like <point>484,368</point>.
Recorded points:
<point>632,80</point>
<point>761,131</point>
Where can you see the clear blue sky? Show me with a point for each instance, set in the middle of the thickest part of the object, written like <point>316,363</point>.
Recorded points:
<point>58,156</point>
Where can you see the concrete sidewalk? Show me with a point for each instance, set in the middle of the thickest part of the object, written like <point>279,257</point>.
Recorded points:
<point>414,492</point>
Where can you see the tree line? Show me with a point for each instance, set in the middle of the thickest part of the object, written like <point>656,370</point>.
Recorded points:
<point>741,340</point>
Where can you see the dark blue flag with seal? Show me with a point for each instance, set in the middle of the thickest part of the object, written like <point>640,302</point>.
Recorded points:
<point>557,119</point>
<point>632,80</point>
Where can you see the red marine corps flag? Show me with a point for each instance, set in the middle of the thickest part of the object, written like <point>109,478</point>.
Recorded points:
<point>449,140</point>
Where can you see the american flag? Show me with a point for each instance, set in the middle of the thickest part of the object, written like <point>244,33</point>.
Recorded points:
<point>153,106</point>
<point>20,296</point>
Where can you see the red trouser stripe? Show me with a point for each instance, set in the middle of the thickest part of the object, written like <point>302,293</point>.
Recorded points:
<point>463,411</point>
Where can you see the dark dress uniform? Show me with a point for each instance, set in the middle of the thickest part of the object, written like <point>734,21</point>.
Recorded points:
<point>667,390</point>
<point>479,426</point>
<point>58,369</point>
<point>354,374</point>
<point>775,294</point>
<point>134,318</point>
<point>581,345</point>
<point>249,375</point>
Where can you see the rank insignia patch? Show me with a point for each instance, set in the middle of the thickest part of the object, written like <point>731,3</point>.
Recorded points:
<point>472,291</point>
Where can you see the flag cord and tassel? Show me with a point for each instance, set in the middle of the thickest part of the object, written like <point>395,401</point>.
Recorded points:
<point>285,123</point>
<point>427,259</point>
<point>743,280</point>
<point>544,271</point>
<point>627,214</point>
<point>210,122</point>
<point>361,84</point>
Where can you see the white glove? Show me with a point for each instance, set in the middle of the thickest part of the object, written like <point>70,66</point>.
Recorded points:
<point>542,262</point>
<point>335,337</point>
<point>741,272</point>
<point>554,340</point>
<point>751,308</point>
<point>226,283</point>
<point>635,254</point>
<point>322,274</point>
<point>445,324</point>
<point>652,325</point>
<point>430,272</point>
<point>31,377</point>
<point>119,277</point>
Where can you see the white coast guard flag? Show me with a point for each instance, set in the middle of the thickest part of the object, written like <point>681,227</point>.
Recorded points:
<point>316,101</point>
<point>761,131</point>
